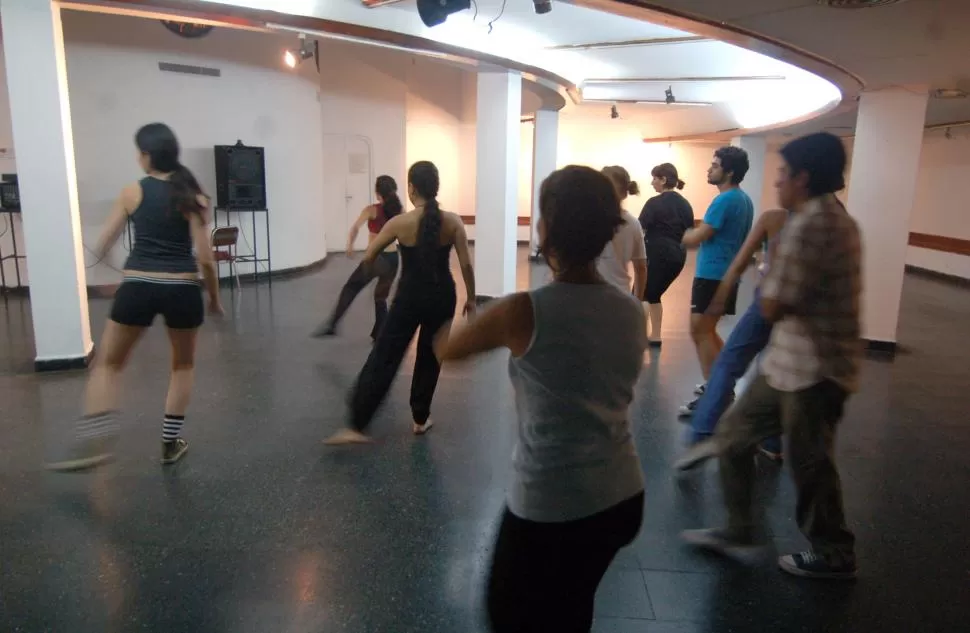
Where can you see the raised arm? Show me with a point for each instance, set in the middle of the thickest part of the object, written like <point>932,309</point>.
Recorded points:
<point>355,228</point>
<point>465,263</point>
<point>755,240</point>
<point>384,239</point>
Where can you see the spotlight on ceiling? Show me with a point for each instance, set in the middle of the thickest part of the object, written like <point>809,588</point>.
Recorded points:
<point>669,97</point>
<point>949,93</point>
<point>293,58</point>
<point>542,6</point>
<point>614,113</point>
<point>435,12</point>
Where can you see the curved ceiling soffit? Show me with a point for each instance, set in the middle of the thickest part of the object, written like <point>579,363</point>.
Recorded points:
<point>848,83</point>
<point>548,86</point>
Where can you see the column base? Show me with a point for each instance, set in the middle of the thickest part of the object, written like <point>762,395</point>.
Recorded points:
<point>881,348</point>
<point>64,364</point>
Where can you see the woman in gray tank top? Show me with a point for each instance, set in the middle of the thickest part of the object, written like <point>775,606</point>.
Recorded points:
<point>576,492</point>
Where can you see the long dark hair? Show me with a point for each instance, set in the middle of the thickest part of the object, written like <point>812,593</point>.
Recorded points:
<point>158,143</point>
<point>386,188</point>
<point>423,176</point>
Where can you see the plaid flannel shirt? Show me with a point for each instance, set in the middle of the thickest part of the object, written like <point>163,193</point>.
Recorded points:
<point>816,277</point>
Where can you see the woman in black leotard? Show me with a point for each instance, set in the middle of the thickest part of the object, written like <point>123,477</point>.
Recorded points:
<point>665,218</point>
<point>425,301</point>
<point>384,268</point>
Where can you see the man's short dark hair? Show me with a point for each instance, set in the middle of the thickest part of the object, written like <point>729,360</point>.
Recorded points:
<point>734,160</point>
<point>822,157</point>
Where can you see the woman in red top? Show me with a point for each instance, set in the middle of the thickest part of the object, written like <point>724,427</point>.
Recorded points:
<point>384,268</point>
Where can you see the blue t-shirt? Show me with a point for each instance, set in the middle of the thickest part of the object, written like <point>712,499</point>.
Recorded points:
<point>730,215</point>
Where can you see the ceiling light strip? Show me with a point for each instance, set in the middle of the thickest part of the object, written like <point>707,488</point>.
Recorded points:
<point>651,102</point>
<point>363,40</point>
<point>676,80</point>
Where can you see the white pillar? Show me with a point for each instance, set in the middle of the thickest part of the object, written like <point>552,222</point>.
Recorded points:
<point>544,149</point>
<point>882,187</point>
<point>40,113</point>
<point>497,186</point>
<point>754,181</point>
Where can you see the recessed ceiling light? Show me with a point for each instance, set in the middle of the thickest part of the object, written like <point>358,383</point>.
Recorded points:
<point>857,4</point>
<point>949,93</point>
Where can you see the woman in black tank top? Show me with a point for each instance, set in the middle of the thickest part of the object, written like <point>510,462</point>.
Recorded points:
<point>161,277</point>
<point>424,302</point>
<point>384,268</point>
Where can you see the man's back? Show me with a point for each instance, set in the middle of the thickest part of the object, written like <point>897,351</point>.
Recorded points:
<point>730,215</point>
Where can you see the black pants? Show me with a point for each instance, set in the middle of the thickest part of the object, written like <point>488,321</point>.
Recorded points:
<point>427,310</point>
<point>665,261</point>
<point>384,269</point>
<point>544,575</point>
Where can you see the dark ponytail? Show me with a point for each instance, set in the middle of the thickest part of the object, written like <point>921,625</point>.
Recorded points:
<point>386,188</point>
<point>158,143</point>
<point>423,177</point>
<point>620,177</point>
<point>669,173</point>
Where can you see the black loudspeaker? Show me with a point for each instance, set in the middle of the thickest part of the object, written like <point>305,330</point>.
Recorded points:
<point>9,193</point>
<point>240,177</point>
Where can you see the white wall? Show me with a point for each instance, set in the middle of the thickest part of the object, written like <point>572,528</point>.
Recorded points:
<point>115,87</point>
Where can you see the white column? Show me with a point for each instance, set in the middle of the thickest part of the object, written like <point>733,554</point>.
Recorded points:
<point>754,181</point>
<point>496,191</point>
<point>882,187</point>
<point>40,113</point>
<point>544,149</point>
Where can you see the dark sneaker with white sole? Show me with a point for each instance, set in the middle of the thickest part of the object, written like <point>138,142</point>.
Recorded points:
<point>811,565</point>
<point>174,450</point>
<point>687,410</point>
<point>723,542</point>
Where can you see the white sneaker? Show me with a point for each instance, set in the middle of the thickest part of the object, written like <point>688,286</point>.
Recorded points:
<point>699,389</point>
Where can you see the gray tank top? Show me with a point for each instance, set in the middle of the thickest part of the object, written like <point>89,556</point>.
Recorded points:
<point>163,239</point>
<point>574,454</point>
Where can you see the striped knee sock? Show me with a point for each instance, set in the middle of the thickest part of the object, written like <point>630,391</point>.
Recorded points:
<point>96,425</point>
<point>172,427</point>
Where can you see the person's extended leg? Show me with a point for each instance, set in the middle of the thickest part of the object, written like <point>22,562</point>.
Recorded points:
<point>379,371</point>
<point>179,393</point>
<point>362,275</point>
<point>703,330</point>
<point>811,417</point>
<point>426,365</point>
<point>753,417</point>
<point>386,271</point>
<point>655,313</point>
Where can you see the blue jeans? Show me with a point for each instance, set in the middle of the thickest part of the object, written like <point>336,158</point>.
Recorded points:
<point>749,337</point>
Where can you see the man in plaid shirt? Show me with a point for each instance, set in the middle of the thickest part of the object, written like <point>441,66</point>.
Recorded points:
<point>812,294</point>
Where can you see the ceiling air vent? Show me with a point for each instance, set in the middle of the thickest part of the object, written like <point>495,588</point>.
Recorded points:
<point>857,4</point>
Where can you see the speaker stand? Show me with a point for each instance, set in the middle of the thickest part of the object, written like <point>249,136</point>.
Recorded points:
<point>253,258</point>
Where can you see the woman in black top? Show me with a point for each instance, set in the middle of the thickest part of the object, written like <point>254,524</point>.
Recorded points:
<point>169,212</point>
<point>665,218</point>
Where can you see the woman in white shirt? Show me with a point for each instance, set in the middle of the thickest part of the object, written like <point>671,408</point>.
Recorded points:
<point>627,245</point>
<point>576,492</point>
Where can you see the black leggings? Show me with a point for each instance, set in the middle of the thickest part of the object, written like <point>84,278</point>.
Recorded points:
<point>665,261</point>
<point>409,312</point>
<point>544,575</point>
<point>384,269</point>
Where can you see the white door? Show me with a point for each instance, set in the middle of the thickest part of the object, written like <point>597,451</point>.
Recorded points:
<point>347,187</point>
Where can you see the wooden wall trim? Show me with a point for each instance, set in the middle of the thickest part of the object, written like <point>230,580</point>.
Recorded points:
<point>469,220</point>
<point>940,243</point>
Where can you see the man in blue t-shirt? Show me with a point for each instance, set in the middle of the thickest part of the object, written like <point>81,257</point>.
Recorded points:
<point>719,236</point>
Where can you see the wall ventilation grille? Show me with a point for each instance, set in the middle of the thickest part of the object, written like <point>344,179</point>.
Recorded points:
<point>169,67</point>
<point>858,4</point>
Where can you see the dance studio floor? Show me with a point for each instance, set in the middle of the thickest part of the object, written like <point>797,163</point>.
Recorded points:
<point>262,529</point>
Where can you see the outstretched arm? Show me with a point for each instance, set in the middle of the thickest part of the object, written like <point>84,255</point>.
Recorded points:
<point>355,228</point>
<point>508,322</point>
<point>755,240</point>
<point>127,202</point>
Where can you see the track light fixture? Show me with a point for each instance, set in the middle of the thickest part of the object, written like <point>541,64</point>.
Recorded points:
<point>435,12</point>
<point>669,97</point>
<point>307,49</point>
<point>614,113</point>
<point>542,6</point>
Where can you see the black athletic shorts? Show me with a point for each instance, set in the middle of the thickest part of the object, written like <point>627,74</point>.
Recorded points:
<point>703,292</point>
<point>179,301</point>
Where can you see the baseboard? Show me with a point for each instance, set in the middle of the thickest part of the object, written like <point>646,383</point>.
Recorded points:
<point>881,348</point>
<point>108,290</point>
<point>64,364</point>
<point>938,276</point>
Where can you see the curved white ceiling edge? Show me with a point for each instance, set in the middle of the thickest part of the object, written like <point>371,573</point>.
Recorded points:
<point>760,105</point>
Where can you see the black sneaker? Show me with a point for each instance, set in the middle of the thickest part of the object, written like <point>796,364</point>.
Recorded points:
<point>687,410</point>
<point>811,565</point>
<point>174,450</point>
<point>324,331</point>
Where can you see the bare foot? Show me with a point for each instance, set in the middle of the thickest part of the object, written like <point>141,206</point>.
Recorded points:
<point>421,429</point>
<point>347,436</point>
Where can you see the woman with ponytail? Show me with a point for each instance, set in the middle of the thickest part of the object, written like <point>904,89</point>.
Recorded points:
<point>383,268</point>
<point>169,212</point>
<point>627,246</point>
<point>665,218</point>
<point>425,301</point>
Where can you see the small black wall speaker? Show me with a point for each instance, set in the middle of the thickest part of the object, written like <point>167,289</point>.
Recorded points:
<point>240,177</point>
